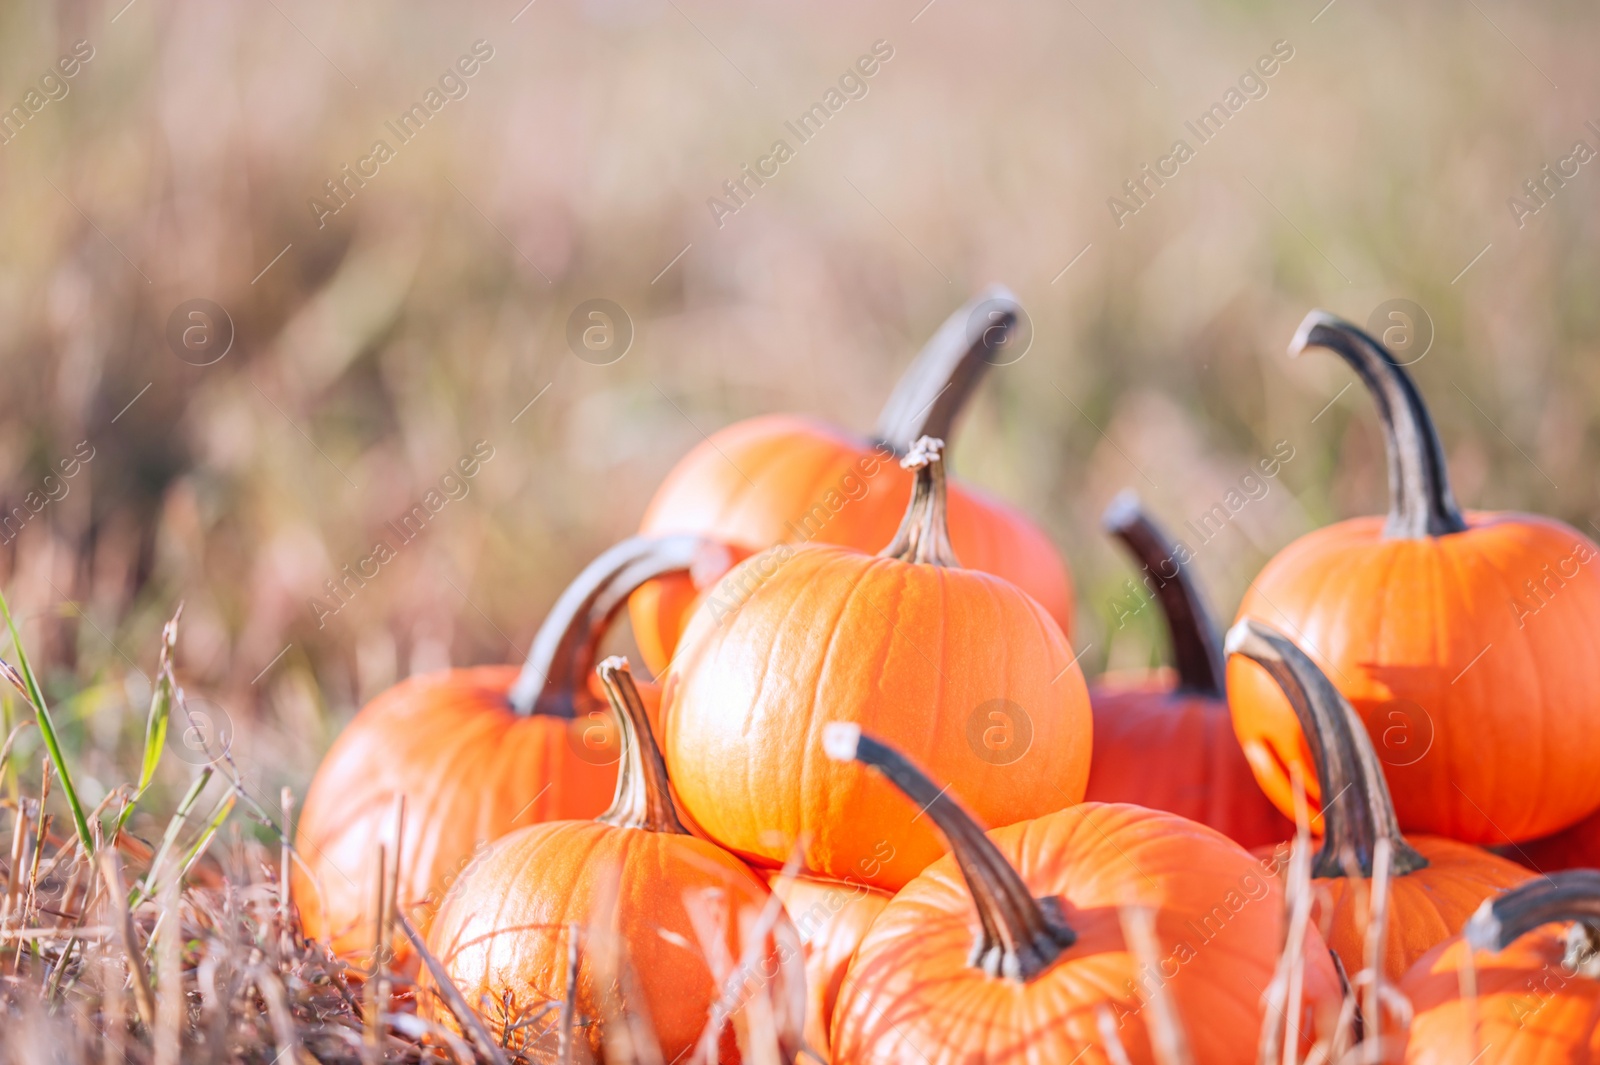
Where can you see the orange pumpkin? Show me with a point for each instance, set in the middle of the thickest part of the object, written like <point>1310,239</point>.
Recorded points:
<point>1468,643</point>
<point>1433,884</point>
<point>641,905</point>
<point>475,752</point>
<point>1013,947</point>
<point>788,479</point>
<point>961,667</point>
<point>1520,985</point>
<point>830,916</point>
<point>1166,741</point>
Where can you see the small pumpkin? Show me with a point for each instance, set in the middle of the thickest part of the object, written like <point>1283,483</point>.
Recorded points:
<point>961,667</point>
<point>475,752</point>
<point>1520,984</point>
<point>1012,947</point>
<point>830,917</point>
<point>1165,740</point>
<point>647,903</point>
<point>1434,884</point>
<point>790,479</point>
<point>1468,643</point>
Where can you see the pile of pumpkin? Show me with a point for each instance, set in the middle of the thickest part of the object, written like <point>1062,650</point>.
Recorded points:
<point>872,812</point>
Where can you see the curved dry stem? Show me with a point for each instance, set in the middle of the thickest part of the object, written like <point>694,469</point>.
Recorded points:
<point>936,386</point>
<point>924,533</point>
<point>1572,895</point>
<point>1020,936</point>
<point>564,651</point>
<point>1196,646</point>
<point>1420,501</point>
<point>643,798</point>
<point>1356,808</point>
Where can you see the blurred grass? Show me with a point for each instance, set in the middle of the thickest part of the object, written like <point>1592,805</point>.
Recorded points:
<point>427,314</point>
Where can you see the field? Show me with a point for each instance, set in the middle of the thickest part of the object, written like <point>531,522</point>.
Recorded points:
<point>248,352</point>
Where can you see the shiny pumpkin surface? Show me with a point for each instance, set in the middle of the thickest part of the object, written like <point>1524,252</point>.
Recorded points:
<point>503,937</point>
<point>831,917</point>
<point>1530,1007</point>
<point>1176,751</point>
<point>1458,672</point>
<point>962,671</point>
<point>911,997</point>
<point>781,478</point>
<point>470,770</point>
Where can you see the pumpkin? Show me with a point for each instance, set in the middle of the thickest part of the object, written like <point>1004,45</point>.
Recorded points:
<point>961,667</point>
<point>1433,884</point>
<point>474,752</point>
<point>1468,643</point>
<point>1520,984</point>
<point>788,479</point>
<point>1577,847</point>
<point>1164,740</point>
<point>1012,948</point>
<point>830,917</point>
<point>641,904</point>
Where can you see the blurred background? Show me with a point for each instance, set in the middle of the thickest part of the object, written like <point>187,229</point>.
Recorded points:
<point>348,355</point>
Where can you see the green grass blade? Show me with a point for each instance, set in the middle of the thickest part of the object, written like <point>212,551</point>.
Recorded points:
<point>155,726</point>
<point>47,728</point>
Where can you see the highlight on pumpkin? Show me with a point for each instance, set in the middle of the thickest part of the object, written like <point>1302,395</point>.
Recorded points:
<point>1389,899</point>
<point>903,643</point>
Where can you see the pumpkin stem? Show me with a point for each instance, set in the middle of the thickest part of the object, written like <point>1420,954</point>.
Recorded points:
<point>1196,647</point>
<point>553,679</point>
<point>1572,895</point>
<point>1357,810</point>
<point>1020,936</point>
<point>924,534</point>
<point>936,386</point>
<point>643,798</point>
<point>1420,501</point>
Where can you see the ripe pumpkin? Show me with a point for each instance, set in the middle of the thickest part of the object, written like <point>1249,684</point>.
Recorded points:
<point>1434,883</point>
<point>830,916</point>
<point>961,667</point>
<point>475,752</point>
<point>1533,993</point>
<point>1468,643</point>
<point>1165,740</point>
<point>1012,947</point>
<point>647,902</point>
<point>788,479</point>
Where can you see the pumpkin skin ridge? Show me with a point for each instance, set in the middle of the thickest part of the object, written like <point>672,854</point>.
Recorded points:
<point>573,858</point>
<point>881,584</point>
<point>933,918</point>
<point>1491,539</point>
<point>1023,554</point>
